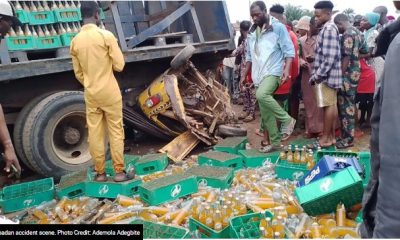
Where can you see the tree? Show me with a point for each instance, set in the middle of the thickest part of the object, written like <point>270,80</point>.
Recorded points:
<point>293,12</point>
<point>349,11</point>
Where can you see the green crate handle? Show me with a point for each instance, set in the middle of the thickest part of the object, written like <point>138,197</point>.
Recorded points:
<point>148,169</point>
<point>134,190</point>
<point>234,165</point>
<point>75,193</point>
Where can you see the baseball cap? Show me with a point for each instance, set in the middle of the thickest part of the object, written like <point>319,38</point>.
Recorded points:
<point>8,11</point>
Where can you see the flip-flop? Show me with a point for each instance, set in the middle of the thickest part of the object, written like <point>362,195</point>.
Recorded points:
<point>264,143</point>
<point>315,145</point>
<point>343,144</point>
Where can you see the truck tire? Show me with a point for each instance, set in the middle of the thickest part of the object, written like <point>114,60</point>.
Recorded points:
<point>231,131</point>
<point>182,57</point>
<point>19,126</point>
<point>55,135</point>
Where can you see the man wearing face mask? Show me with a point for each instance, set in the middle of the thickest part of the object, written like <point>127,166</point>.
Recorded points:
<point>7,20</point>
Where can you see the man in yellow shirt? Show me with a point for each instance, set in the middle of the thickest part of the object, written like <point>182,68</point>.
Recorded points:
<point>95,55</point>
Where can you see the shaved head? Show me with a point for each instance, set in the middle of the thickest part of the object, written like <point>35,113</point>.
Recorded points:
<point>382,11</point>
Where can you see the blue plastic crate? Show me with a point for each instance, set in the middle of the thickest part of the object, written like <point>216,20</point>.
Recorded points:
<point>328,165</point>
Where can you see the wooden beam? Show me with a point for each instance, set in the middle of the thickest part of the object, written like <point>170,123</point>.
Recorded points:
<point>159,27</point>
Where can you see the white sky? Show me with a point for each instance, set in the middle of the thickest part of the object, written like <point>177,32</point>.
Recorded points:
<point>239,9</point>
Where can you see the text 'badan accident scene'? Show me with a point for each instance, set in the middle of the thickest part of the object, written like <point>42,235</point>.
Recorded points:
<point>213,119</point>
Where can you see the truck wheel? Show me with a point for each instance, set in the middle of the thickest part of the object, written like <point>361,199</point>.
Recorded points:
<point>231,131</point>
<point>19,126</point>
<point>55,135</point>
<point>182,57</point>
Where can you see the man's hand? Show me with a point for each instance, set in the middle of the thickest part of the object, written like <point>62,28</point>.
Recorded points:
<point>305,64</point>
<point>242,83</point>
<point>285,77</point>
<point>11,159</point>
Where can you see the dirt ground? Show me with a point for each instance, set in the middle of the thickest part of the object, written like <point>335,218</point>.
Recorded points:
<point>361,144</point>
<point>140,145</point>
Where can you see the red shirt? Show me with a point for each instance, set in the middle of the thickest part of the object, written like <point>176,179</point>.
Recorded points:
<point>366,83</point>
<point>295,68</point>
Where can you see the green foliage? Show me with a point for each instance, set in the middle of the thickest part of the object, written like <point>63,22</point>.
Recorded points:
<point>293,12</point>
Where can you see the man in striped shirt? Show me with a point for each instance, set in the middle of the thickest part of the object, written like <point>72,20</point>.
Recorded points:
<point>327,73</point>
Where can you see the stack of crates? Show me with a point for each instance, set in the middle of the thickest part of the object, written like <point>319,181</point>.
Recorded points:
<point>46,24</point>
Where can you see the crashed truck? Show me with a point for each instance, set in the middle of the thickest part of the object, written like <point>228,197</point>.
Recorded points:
<point>171,49</point>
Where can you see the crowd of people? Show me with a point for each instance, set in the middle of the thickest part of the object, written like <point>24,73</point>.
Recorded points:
<point>331,61</point>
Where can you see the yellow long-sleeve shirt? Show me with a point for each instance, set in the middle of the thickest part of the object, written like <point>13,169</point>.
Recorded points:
<point>95,55</point>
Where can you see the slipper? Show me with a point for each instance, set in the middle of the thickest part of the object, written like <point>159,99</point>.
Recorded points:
<point>269,148</point>
<point>264,143</point>
<point>343,144</point>
<point>315,145</point>
<point>287,129</point>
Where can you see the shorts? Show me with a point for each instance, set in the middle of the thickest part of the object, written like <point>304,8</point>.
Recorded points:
<point>325,95</point>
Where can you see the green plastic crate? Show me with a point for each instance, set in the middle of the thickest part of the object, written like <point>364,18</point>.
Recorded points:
<point>151,163</point>
<point>168,188</point>
<point>111,189</point>
<point>247,226</point>
<point>205,231</point>
<point>359,218</point>
<point>66,38</point>
<point>20,43</point>
<point>217,177</point>
<point>291,171</point>
<point>221,159</point>
<point>129,161</point>
<point>231,145</point>
<point>40,18</point>
<point>67,15</point>
<point>48,42</point>
<point>25,195</point>
<point>323,195</point>
<point>253,158</point>
<point>364,158</point>
<point>156,230</point>
<point>72,185</point>
<point>22,15</point>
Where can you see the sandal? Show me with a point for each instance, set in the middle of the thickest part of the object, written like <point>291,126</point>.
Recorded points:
<point>269,148</point>
<point>342,144</point>
<point>264,143</point>
<point>287,129</point>
<point>315,145</point>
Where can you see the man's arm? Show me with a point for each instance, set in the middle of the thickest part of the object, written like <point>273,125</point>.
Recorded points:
<point>330,50</point>
<point>288,50</point>
<point>244,73</point>
<point>9,153</point>
<point>115,53</point>
<point>75,63</point>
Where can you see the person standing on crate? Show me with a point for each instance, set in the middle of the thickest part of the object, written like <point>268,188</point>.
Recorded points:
<point>95,55</point>
<point>381,205</point>
<point>7,20</point>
